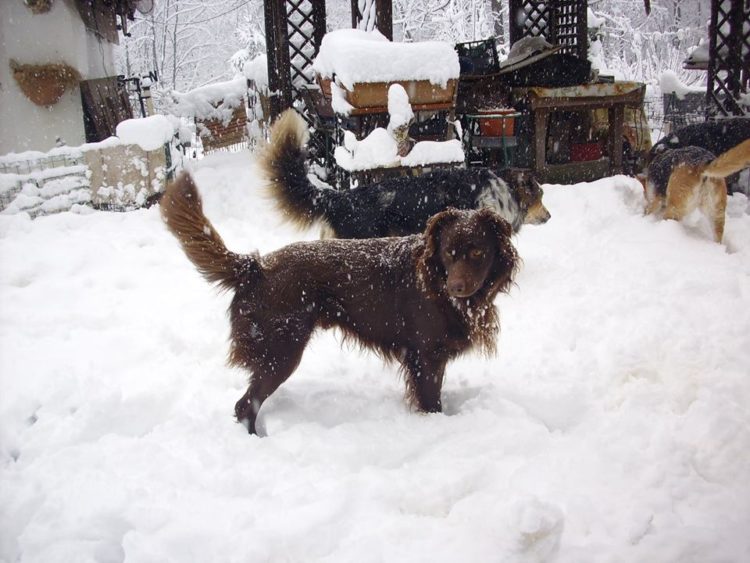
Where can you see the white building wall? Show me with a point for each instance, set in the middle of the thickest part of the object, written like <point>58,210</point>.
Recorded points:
<point>55,37</point>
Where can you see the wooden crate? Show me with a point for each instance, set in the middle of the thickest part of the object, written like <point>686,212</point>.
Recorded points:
<point>215,134</point>
<point>372,95</point>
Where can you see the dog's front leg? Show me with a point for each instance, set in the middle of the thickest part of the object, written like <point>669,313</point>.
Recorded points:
<point>424,373</point>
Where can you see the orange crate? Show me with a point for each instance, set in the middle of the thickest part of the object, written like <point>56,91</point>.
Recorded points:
<point>496,126</point>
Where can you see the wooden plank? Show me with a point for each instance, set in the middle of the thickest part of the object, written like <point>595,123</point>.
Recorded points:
<point>632,99</point>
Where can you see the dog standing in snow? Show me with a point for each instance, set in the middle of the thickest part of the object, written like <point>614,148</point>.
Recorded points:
<point>420,300</point>
<point>679,181</point>
<point>399,206</point>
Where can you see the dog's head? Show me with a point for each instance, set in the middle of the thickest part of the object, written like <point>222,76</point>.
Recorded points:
<point>528,194</point>
<point>654,202</point>
<point>467,254</point>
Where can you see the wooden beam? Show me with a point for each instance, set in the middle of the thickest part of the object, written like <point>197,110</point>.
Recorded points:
<point>272,48</point>
<point>385,17</point>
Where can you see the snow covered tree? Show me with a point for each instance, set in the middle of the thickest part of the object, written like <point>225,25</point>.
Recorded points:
<point>447,20</point>
<point>640,47</point>
<point>189,43</point>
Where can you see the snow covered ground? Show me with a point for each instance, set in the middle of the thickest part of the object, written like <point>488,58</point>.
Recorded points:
<point>613,426</point>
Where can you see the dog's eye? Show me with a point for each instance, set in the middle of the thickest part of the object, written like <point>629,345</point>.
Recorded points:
<point>476,254</point>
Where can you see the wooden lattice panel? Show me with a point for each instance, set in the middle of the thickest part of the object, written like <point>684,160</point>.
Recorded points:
<point>294,30</point>
<point>561,22</point>
<point>729,62</point>
<point>570,26</point>
<point>301,37</point>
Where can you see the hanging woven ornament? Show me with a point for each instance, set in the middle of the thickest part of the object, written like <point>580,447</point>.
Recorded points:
<point>45,84</point>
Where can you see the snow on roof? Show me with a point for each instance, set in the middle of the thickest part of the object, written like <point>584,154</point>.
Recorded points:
<point>214,101</point>
<point>671,84</point>
<point>356,56</point>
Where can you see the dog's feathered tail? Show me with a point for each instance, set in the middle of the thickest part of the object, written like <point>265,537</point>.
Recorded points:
<point>182,210</point>
<point>283,165</point>
<point>726,164</point>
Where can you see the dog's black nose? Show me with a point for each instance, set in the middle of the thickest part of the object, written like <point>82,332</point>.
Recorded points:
<point>457,288</point>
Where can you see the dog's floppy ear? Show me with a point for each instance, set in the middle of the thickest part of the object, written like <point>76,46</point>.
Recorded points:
<point>506,261</point>
<point>430,272</point>
<point>497,224</point>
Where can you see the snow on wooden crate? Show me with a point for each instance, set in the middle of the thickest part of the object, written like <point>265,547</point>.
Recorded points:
<point>218,110</point>
<point>364,64</point>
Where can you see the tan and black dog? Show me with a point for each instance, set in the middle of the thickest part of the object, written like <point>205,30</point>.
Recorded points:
<point>679,181</point>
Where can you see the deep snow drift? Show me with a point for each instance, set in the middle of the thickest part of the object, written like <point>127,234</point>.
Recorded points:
<point>614,424</point>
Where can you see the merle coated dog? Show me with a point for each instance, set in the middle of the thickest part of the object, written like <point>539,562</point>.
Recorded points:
<point>398,206</point>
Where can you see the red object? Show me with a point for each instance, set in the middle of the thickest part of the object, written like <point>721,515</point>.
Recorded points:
<point>496,126</point>
<point>585,151</point>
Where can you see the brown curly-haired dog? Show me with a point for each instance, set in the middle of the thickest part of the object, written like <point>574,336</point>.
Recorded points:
<point>420,300</point>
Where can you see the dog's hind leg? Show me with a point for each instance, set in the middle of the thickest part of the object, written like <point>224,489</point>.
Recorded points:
<point>714,205</point>
<point>272,367</point>
<point>424,380</point>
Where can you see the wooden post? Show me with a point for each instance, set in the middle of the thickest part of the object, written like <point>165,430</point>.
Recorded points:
<point>383,16</point>
<point>540,140</point>
<point>274,78</point>
<point>319,18</point>
<point>616,116</point>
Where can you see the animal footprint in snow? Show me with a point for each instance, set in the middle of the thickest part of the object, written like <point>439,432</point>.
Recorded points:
<point>540,525</point>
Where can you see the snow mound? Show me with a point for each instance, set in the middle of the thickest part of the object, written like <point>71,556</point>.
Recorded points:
<point>613,425</point>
